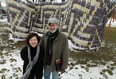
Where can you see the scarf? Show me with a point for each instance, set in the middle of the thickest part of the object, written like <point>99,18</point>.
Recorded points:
<point>51,38</point>
<point>31,62</point>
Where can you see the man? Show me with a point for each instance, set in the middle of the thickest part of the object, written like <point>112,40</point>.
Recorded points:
<point>55,44</point>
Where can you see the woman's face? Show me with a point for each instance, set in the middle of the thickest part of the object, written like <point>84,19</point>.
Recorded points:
<point>33,41</point>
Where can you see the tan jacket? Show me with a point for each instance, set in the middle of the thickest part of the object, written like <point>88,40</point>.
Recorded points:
<point>60,49</point>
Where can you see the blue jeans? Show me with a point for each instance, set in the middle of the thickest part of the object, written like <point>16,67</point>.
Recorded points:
<point>47,73</point>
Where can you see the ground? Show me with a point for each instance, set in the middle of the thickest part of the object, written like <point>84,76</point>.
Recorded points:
<point>99,64</point>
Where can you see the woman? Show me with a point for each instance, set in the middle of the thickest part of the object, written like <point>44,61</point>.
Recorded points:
<point>32,55</point>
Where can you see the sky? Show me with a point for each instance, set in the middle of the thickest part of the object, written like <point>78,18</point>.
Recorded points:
<point>3,3</point>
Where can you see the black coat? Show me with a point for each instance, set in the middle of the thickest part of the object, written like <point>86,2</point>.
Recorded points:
<point>38,67</point>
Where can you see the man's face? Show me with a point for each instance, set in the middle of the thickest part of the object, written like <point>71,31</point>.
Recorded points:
<point>53,27</point>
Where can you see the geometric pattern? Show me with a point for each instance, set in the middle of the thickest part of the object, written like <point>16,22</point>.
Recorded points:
<point>83,21</point>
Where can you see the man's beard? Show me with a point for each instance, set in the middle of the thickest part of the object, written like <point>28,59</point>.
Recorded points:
<point>53,31</point>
